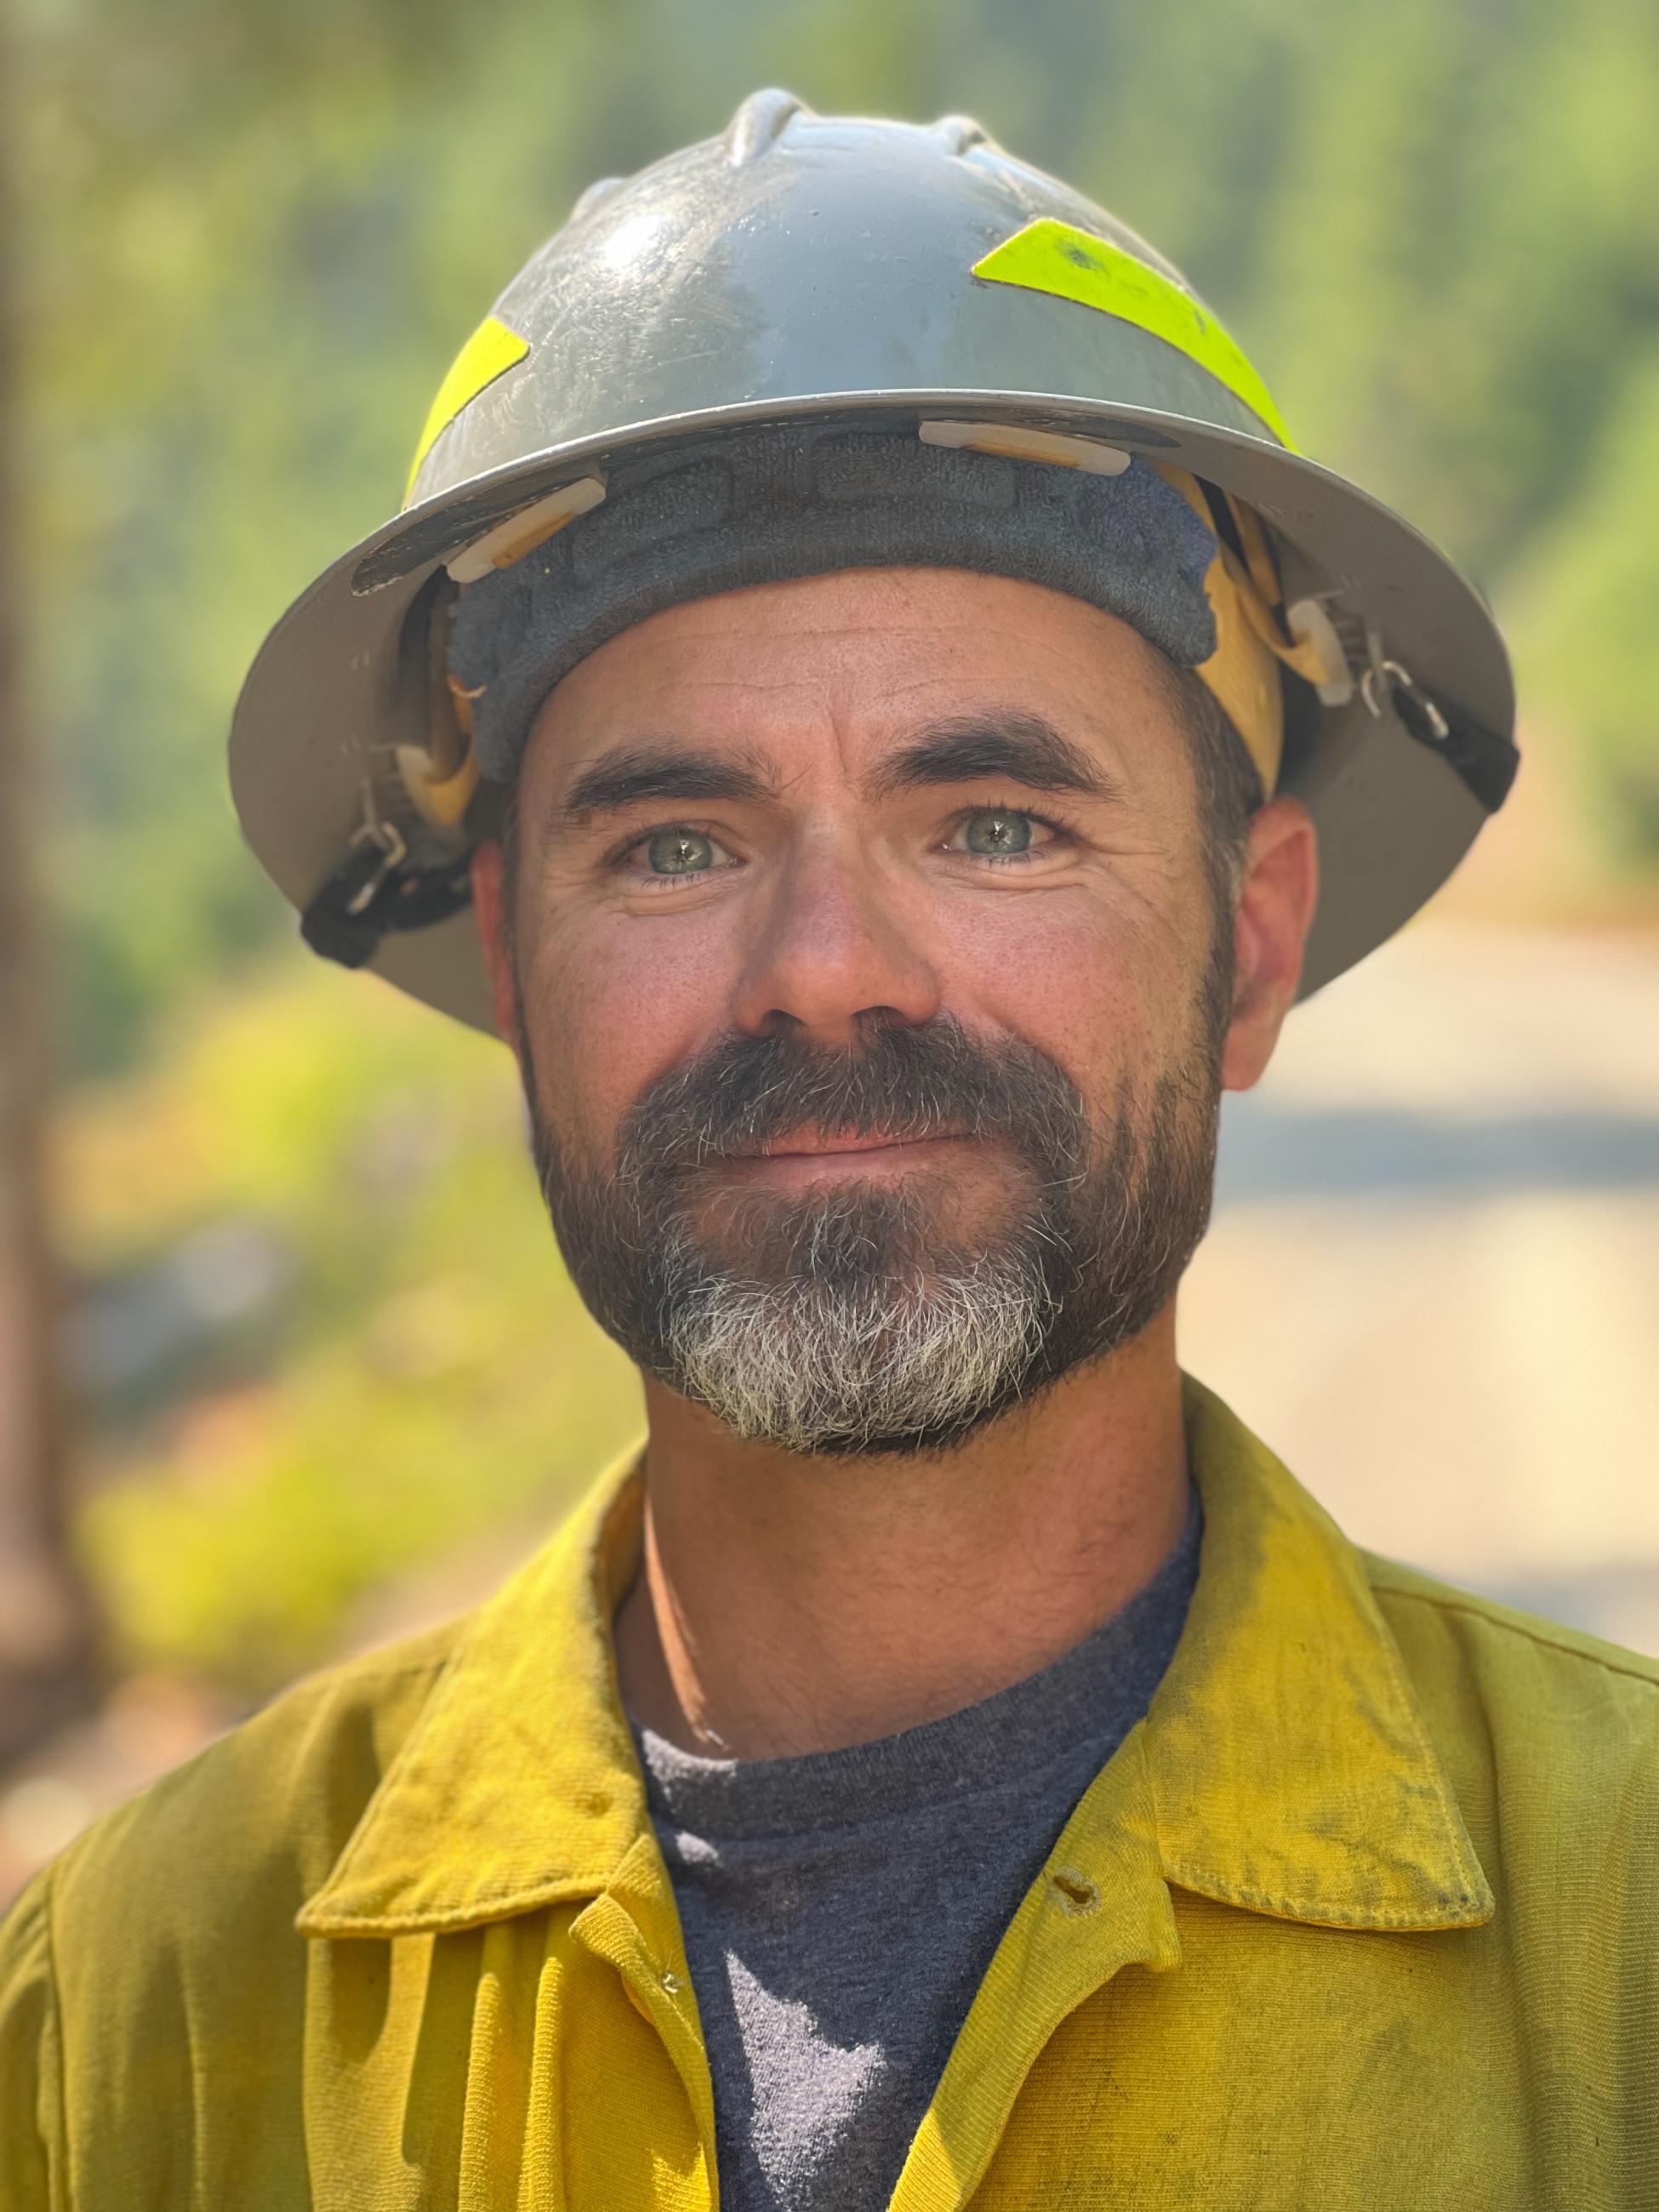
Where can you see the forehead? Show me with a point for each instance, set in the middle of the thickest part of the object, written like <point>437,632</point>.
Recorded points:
<point>865,654</point>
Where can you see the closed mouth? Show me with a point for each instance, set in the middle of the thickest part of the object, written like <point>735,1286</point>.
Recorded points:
<point>839,1140</point>
<point>819,1145</point>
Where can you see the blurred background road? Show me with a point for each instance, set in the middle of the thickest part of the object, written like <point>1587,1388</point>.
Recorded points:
<point>1433,1278</point>
<point>286,1360</point>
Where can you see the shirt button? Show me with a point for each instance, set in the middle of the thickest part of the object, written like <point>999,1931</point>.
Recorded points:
<point>671,1983</point>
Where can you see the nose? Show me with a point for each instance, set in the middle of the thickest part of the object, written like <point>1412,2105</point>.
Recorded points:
<point>829,949</point>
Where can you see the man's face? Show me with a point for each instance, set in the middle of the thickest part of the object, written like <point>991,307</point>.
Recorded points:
<point>871,996</point>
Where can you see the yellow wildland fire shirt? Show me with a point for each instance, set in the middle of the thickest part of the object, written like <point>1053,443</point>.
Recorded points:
<point>1362,1915</point>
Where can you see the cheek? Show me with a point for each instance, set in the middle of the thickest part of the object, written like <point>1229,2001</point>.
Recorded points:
<point>612,1002</point>
<point>1096,978</point>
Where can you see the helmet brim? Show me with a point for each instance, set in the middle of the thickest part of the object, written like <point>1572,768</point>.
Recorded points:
<point>328,699</point>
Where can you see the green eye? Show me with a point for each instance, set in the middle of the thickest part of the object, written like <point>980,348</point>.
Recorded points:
<point>680,853</point>
<point>995,831</point>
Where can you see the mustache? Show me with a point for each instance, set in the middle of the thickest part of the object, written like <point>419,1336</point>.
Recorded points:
<point>898,1082</point>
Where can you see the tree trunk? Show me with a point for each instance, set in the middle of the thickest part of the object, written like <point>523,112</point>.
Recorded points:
<point>44,1619</point>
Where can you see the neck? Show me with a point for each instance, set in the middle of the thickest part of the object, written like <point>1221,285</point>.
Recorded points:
<point>787,1606</point>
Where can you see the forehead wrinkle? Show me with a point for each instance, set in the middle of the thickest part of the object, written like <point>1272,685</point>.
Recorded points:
<point>864,666</point>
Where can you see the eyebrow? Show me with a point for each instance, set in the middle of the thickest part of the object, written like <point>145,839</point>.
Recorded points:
<point>629,773</point>
<point>1022,747</point>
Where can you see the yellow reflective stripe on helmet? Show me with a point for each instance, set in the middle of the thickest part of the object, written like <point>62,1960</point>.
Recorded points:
<point>489,353</point>
<point>1074,265</point>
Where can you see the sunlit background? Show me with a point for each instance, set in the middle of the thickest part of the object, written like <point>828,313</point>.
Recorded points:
<point>325,1378</point>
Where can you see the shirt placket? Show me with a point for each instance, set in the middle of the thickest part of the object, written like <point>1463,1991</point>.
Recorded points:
<point>1101,1904</point>
<point>634,1927</point>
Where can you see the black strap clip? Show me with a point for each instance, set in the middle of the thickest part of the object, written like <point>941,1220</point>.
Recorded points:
<point>373,891</point>
<point>1486,761</point>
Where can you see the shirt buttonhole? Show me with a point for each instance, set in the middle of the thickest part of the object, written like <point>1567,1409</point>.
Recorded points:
<point>1074,1891</point>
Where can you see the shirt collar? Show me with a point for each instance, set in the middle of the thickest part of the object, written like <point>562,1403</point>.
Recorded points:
<point>1290,1766</point>
<point>1289,1770</point>
<point>519,1785</point>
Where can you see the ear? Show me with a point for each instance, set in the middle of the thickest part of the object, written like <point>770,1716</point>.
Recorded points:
<point>490,913</point>
<point>1276,895</point>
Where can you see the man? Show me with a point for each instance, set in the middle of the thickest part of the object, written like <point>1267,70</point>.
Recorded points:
<point>864,650</point>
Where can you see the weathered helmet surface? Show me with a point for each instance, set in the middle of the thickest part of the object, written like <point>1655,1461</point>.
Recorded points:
<point>823,269</point>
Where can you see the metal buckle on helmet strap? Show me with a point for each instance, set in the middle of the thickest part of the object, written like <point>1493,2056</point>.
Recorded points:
<point>1416,707</point>
<point>1485,761</point>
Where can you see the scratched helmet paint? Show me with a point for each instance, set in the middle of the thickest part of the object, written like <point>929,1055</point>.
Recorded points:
<point>820,268</point>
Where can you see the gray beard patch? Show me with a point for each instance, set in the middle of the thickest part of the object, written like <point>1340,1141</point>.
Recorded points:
<point>868,1342</point>
<point>842,1319</point>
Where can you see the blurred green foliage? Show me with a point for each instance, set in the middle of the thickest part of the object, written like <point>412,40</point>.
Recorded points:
<point>256,234</point>
<point>391,1366</point>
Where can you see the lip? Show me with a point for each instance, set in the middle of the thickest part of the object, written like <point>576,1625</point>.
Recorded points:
<point>798,1147</point>
<point>798,1153</point>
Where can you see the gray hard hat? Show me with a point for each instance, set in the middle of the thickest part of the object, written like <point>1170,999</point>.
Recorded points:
<point>820,271</point>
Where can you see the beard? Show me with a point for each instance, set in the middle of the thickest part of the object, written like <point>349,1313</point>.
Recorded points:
<point>867,1318</point>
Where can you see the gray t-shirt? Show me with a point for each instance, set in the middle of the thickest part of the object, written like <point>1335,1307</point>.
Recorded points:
<point>840,1910</point>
